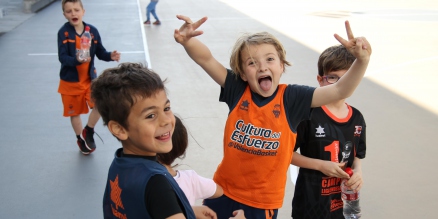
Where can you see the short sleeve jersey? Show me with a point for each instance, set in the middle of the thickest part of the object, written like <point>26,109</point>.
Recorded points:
<point>258,141</point>
<point>323,137</point>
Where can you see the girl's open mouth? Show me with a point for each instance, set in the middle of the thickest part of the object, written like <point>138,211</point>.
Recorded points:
<point>265,83</point>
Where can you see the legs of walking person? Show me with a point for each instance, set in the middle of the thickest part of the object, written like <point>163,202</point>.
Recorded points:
<point>88,131</point>
<point>157,21</point>
<point>151,9</point>
<point>148,12</point>
<point>93,118</point>
<point>154,14</point>
<point>76,122</point>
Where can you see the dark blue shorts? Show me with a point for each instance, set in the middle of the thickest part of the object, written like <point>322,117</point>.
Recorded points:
<point>224,207</point>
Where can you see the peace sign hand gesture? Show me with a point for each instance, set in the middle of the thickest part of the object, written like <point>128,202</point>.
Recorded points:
<point>188,29</point>
<point>359,47</point>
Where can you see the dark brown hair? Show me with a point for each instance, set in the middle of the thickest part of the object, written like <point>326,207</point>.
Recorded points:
<point>180,142</point>
<point>72,1</point>
<point>334,58</point>
<point>117,89</point>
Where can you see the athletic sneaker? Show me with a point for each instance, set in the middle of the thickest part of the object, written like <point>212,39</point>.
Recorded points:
<point>89,140</point>
<point>147,22</point>
<point>82,147</point>
<point>156,23</point>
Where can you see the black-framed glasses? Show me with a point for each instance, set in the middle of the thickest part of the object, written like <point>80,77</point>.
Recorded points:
<point>331,79</point>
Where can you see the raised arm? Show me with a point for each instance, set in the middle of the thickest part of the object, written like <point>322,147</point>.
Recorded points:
<point>329,168</point>
<point>345,87</point>
<point>198,51</point>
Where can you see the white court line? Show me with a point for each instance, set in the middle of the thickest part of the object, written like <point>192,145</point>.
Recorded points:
<point>42,54</point>
<point>143,35</point>
<point>55,54</point>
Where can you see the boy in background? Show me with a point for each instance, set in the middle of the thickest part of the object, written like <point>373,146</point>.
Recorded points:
<point>76,74</point>
<point>321,141</point>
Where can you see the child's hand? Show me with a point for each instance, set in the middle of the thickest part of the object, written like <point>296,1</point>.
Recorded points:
<point>115,56</point>
<point>82,60</point>
<point>238,214</point>
<point>334,169</point>
<point>188,29</point>
<point>356,181</point>
<point>359,46</point>
<point>204,212</point>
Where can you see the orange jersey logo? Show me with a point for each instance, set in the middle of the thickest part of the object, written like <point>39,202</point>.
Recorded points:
<point>116,192</point>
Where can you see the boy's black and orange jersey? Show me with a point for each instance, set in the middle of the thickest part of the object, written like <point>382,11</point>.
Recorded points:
<point>323,137</point>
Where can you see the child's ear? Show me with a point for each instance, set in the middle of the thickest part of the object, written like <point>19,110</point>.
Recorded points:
<point>320,80</point>
<point>243,76</point>
<point>117,130</point>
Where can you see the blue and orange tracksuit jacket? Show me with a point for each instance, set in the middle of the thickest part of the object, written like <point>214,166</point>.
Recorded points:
<point>67,52</point>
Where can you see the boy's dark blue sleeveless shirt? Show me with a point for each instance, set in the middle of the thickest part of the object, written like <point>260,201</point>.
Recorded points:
<point>126,184</point>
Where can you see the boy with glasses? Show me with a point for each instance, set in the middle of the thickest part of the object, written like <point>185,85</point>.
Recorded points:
<point>321,141</point>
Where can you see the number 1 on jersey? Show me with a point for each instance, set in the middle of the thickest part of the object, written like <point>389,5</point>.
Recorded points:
<point>333,148</point>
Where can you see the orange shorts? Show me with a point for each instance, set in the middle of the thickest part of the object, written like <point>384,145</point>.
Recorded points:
<point>77,104</point>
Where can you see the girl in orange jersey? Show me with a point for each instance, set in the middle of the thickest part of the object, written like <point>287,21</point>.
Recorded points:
<point>261,127</point>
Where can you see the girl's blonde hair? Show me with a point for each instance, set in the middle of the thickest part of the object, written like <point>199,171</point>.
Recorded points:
<point>247,40</point>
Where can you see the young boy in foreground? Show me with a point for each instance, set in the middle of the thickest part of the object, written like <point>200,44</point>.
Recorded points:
<point>134,106</point>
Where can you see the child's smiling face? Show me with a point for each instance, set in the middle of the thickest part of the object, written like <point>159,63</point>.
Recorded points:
<point>262,68</point>
<point>150,126</point>
<point>73,12</point>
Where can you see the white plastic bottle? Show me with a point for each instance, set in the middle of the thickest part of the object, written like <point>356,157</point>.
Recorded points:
<point>84,53</point>
<point>350,199</point>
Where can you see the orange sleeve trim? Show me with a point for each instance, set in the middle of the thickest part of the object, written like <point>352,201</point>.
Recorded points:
<point>68,40</point>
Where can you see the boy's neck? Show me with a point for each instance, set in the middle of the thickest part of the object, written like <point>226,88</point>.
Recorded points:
<point>79,28</point>
<point>339,109</point>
